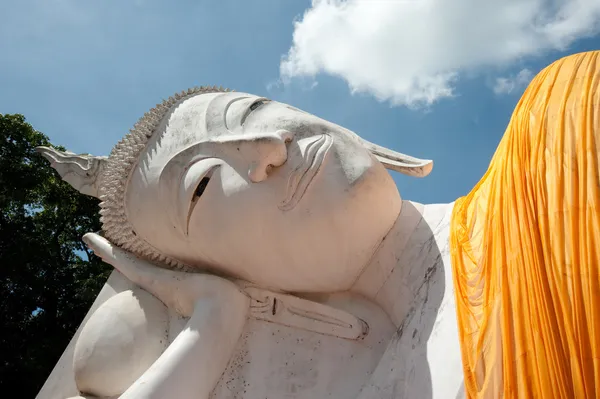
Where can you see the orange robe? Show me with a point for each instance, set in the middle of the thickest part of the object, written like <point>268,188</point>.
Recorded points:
<point>525,246</point>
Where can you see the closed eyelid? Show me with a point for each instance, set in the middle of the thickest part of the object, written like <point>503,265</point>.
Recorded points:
<point>227,109</point>
<point>176,180</point>
<point>189,181</point>
<point>250,109</point>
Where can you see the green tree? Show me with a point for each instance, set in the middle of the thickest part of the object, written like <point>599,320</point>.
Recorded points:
<point>48,278</point>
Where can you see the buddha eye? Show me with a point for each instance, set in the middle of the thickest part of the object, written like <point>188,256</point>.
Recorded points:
<point>257,104</point>
<point>201,187</point>
<point>193,181</point>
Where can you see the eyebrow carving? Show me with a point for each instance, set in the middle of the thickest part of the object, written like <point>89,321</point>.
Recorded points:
<point>227,109</point>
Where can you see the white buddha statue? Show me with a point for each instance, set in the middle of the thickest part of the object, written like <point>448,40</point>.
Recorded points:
<point>282,238</point>
<point>263,252</point>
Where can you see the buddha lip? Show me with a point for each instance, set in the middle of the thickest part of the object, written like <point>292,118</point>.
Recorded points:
<point>303,174</point>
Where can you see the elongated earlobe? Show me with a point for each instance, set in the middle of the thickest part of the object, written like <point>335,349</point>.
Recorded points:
<point>80,171</point>
<point>399,162</point>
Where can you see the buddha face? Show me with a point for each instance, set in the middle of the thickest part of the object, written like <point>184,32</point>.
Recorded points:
<point>261,191</point>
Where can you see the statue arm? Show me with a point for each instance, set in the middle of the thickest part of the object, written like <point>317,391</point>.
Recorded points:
<point>192,364</point>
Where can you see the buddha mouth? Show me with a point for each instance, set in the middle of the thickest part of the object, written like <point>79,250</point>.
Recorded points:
<point>304,173</point>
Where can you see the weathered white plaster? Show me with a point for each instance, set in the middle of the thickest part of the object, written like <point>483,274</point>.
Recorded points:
<point>281,260</point>
<point>129,332</point>
<point>61,382</point>
<point>272,360</point>
<point>411,278</point>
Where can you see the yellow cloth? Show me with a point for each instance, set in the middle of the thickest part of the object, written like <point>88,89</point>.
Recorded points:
<point>526,246</point>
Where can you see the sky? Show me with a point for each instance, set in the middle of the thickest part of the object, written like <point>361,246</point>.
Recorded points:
<point>436,79</point>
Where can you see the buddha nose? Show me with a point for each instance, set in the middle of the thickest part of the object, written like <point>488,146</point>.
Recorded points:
<point>272,152</point>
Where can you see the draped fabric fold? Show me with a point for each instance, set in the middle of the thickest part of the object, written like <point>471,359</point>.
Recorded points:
<point>525,246</point>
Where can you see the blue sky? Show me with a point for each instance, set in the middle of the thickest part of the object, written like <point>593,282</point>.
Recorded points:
<point>419,77</point>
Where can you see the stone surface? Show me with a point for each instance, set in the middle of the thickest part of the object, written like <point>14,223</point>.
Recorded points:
<point>423,359</point>
<point>61,382</point>
<point>129,332</point>
<point>276,256</point>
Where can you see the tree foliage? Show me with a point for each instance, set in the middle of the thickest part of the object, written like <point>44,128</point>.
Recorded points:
<point>48,279</point>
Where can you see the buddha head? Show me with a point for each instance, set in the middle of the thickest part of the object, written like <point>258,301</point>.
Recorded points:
<point>246,187</point>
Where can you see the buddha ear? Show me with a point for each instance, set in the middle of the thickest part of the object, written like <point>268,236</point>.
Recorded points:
<point>399,162</point>
<point>80,171</point>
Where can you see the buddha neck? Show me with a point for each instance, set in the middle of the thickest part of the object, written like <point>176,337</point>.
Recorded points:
<point>415,249</point>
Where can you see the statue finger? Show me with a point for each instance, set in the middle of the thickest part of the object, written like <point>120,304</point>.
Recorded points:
<point>101,247</point>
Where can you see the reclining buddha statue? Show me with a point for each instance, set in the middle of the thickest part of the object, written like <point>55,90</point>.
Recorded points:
<point>263,252</point>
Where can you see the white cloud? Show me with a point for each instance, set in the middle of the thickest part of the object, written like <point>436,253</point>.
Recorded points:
<point>411,52</point>
<point>507,85</point>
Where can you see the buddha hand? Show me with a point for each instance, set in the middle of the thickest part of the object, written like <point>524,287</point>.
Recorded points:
<point>177,290</point>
